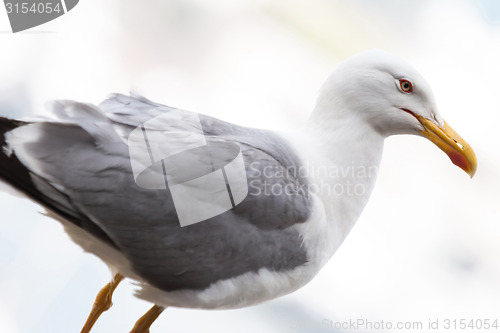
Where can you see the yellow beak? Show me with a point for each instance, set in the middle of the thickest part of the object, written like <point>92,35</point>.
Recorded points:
<point>459,151</point>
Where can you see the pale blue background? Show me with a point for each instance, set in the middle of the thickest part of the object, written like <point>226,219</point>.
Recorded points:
<point>426,247</point>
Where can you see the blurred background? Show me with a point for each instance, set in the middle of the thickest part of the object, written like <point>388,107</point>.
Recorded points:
<point>427,245</point>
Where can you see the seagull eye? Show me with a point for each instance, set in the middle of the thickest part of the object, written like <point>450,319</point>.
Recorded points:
<point>406,86</point>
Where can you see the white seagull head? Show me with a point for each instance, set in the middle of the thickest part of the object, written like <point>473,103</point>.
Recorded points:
<point>384,92</point>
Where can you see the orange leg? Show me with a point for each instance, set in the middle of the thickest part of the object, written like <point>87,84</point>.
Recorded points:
<point>102,302</point>
<point>143,324</point>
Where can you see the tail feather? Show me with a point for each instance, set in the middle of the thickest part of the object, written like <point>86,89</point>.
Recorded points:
<point>13,172</point>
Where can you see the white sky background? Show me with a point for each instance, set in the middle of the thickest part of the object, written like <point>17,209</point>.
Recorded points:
<point>426,246</point>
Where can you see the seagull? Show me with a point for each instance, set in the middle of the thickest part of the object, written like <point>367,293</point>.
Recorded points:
<point>202,213</point>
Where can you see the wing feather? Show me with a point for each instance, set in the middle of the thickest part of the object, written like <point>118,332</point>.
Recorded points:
<point>82,162</point>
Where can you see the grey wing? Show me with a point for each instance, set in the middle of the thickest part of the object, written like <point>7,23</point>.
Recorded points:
<point>91,169</point>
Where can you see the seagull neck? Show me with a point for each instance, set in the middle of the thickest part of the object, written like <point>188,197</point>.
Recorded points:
<point>345,156</point>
